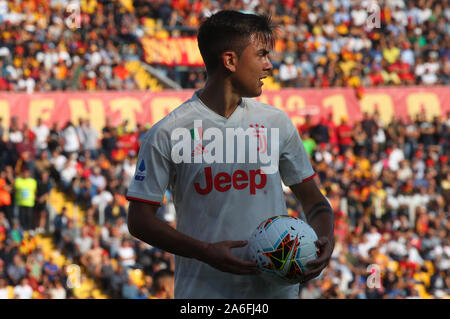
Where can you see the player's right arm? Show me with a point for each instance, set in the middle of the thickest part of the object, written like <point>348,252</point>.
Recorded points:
<point>146,226</point>
<point>145,193</point>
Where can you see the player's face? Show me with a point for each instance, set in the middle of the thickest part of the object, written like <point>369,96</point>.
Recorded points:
<point>253,65</point>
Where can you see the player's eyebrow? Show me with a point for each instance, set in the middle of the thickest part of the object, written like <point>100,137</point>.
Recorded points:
<point>263,51</point>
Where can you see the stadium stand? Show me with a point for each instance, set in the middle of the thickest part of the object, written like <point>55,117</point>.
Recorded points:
<point>320,44</point>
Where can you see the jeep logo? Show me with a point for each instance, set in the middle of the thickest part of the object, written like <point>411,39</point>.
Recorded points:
<point>222,182</point>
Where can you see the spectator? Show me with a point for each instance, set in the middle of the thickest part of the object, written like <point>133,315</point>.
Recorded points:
<point>42,164</point>
<point>126,254</point>
<point>102,199</point>
<point>42,132</point>
<point>83,243</point>
<point>24,290</point>
<point>118,279</point>
<point>395,157</point>
<point>16,270</point>
<point>2,130</point>
<point>92,259</point>
<point>3,289</point>
<point>309,143</point>
<point>113,211</point>
<point>108,139</point>
<point>288,72</point>
<point>106,273</point>
<point>25,188</point>
<point>97,179</point>
<point>71,142</point>
<point>50,269</point>
<point>42,195</point>
<point>15,134</point>
<point>5,196</point>
<point>129,290</point>
<point>67,242</point>
<point>57,290</point>
<point>91,138</point>
<point>163,284</point>
<point>344,132</point>
<point>60,223</point>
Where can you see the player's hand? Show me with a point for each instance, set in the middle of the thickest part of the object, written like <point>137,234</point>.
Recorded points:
<point>316,266</point>
<point>220,256</point>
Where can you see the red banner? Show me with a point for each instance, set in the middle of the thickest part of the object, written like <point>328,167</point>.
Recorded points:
<point>172,51</point>
<point>149,107</point>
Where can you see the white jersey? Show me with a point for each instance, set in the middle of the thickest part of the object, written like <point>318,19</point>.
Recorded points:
<point>221,200</point>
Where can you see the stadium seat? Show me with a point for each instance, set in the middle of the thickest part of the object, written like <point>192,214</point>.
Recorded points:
<point>143,78</point>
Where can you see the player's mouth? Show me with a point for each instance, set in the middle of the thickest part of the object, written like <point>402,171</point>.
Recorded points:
<point>262,78</point>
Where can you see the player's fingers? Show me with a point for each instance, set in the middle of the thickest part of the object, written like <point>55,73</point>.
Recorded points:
<point>239,270</point>
<point>317,262</point>
<point>323,255</point>
<point>242,263</point>
<point>311,274</point>
<point>236,243</point>
<point>321,243</point>
<point>314,272</point>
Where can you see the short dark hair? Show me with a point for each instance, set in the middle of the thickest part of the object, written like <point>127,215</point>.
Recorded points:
<point>231,30</point>
<point>159,276</point>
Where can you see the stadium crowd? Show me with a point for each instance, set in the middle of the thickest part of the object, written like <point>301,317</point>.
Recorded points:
<point>389,185</point>
<point>93,171</point>
<point>45,46</point>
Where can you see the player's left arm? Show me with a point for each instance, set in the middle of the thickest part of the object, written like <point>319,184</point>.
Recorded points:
<point>319,215</point>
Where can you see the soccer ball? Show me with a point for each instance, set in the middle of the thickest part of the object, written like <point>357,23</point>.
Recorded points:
<point>282,246</point>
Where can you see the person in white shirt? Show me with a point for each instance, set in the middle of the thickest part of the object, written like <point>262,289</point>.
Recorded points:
<point>400,16</point>
<point>57,290</point>
<point>42,132</point>
<point>97,179</point>
<point>69,171</point>
<point>3,288</point>
<point>71,139</point>
<point>15,133</point>
<point>91,137</point>
<point>429,78</point>
<point>288,72</point>
<point>83,243</point>
<point>395,157</point>
<point>26,84</point>
<point>101,200</point>
<point>126,254</point>
<point>219,203</point>
<point>24,290</point>
<point>359,15</point>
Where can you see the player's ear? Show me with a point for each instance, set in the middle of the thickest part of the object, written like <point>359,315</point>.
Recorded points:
<point>229,60</point>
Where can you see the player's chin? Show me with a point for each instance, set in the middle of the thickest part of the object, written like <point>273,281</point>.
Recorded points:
<point>257,91</point>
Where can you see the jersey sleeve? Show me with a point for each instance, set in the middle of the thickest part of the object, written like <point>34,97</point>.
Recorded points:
<point>295,165</point>
<point>152,173</point>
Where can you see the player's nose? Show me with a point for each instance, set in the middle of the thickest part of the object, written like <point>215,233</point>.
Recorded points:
<point>268,64</point>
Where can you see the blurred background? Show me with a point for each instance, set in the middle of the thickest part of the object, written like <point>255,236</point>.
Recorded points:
<point>365,82</point>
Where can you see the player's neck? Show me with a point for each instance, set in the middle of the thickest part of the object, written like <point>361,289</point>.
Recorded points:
<point>219,97</point>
